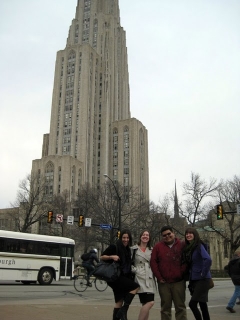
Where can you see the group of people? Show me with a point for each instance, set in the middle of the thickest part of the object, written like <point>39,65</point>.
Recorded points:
<point>165,267</point>
<point>168,262</point>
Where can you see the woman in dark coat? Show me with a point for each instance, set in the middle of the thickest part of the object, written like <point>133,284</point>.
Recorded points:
<point>124,288</point>
<point>199,263</point>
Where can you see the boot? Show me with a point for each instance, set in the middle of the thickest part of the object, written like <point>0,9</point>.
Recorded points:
<point>115,311</point>
<point>122,313</point>
<point>88,282</point>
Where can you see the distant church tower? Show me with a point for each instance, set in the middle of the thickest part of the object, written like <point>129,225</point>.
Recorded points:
<point>179,222</point>
<point>91,129</point>
<point>176,206</point>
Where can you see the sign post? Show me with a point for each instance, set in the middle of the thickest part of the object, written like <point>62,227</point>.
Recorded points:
<point>238,208</point>
<point>88,222</point>
<point>70,219</point>
<point>59,218</point>
<point>105,226</point>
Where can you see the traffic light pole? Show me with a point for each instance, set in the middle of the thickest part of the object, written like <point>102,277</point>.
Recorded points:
<point>221,212</point>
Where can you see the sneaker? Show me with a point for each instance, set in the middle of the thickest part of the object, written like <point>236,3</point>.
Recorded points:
<point>230,309</point>
<point>238,302</point>
<point>89,284</point>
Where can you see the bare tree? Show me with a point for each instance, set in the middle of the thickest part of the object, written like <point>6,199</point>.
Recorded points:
<point>102,206</point>
<point>229,191</point>
<point>31,202</point>
<point>157,218</point>
<point>229,197</point>
<point>60,205</point>
<point>153,217</point>
<point>196,192</point>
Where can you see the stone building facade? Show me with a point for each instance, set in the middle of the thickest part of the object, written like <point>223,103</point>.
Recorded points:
<point>91,129</point>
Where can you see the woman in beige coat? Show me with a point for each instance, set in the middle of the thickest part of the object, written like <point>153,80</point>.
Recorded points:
<point>141,254</point>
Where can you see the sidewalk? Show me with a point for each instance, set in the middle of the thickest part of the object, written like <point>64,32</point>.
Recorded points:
<point>64,303</point>
<point>87,310</point>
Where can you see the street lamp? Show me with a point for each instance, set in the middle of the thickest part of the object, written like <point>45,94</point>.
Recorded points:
<point>119,202</point>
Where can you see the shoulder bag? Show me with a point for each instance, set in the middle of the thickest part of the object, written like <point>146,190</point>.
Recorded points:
<point>109,272</point>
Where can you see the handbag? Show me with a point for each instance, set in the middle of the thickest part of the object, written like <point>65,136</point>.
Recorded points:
<point>211,283</point>
<point>109,272</point>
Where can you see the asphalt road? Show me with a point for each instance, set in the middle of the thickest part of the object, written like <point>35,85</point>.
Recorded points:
<point>61,301</point>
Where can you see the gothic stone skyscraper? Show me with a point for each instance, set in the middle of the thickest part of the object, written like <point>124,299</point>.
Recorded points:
<point>91,129</point>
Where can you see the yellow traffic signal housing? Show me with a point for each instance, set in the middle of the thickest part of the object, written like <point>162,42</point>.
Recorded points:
<point>219,212</point>
<point>81,221</point>
<point>118,234</point>
<point>50,217</point>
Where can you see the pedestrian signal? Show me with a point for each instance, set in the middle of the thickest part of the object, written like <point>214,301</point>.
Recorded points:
<point>219,212</point>
<point>81,221</point>
<point>50,217</point>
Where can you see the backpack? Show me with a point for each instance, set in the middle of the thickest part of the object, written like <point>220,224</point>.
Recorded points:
<point>85,256</point>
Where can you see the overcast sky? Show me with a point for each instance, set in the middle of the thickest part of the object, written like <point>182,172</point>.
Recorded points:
<point>184,66</point>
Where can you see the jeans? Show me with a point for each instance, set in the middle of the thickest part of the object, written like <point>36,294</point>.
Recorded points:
<point>235,295</point>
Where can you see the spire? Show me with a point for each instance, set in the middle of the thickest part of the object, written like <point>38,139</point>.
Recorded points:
<point>176,207</point>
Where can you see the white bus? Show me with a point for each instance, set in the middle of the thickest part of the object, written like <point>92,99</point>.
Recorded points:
<point>29,258</point>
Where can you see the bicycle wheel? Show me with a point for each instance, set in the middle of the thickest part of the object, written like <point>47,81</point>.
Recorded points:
<point>80,283</point>
<point>100,285</point>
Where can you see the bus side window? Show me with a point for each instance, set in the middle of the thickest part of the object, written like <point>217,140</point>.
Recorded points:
<point>1,244</point>
<point>30,248</point>
<point>16,247</point>
<point>43,248</point>
<point>10,246</point>
<point>23,248</point>
<point>54,249</point>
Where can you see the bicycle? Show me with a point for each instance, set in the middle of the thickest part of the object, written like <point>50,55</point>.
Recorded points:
<point>80,282</point>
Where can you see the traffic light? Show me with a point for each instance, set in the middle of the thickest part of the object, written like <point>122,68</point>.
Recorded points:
<point>219,212</point>
<point>81,221</point>
<point>50,217</point>
<point>118,234</point>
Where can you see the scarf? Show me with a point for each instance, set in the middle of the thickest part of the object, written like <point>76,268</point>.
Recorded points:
<point>187,252</point>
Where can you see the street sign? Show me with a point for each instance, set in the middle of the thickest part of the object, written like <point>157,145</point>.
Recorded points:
<point>105,226</point>
<point>70,219</point>
<point>88,222</point>
<point>238,208</point>
<point>59,218</point>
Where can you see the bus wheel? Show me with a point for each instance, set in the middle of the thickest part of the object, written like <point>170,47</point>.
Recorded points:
<point>45,276</point>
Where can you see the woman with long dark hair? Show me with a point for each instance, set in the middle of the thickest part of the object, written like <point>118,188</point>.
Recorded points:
<point>124,288</point>
<point>199,263</point>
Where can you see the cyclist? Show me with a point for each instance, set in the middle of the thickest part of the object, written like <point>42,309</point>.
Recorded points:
<point>89,264</point>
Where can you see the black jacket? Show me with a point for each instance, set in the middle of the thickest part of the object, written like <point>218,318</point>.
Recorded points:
<point>93,257</point>
<point>233,269</point>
